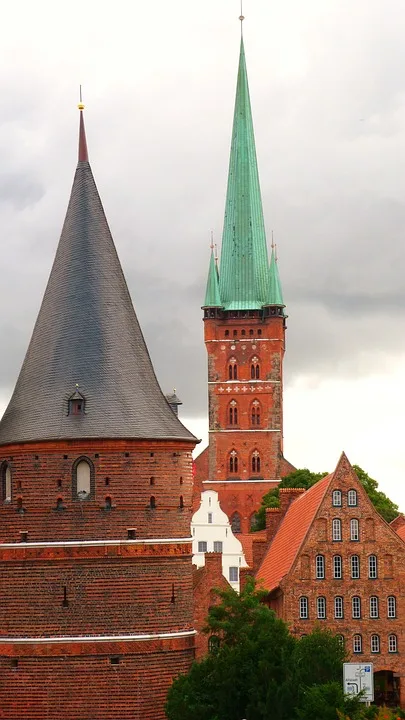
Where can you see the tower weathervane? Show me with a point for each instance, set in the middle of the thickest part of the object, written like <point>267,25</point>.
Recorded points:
<point>80,105</point>
<point>241,16</point>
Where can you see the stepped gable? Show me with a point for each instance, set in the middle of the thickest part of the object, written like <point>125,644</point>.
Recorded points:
<point>282,552</point>
<point>87,339</point>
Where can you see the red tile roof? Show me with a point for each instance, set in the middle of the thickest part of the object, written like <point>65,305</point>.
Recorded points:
<point>247,543</point>
<point>401,532</point>
<point>283,550</point>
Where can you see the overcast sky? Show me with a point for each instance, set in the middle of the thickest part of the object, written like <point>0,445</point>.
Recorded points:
<point>327,87</point>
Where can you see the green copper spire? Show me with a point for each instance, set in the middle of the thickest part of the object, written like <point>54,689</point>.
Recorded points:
<point>244,276</point>
<point>275,296</point>
<point>212,297</point>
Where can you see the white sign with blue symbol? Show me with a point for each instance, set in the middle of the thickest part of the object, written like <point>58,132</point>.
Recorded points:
<point>357,678</point>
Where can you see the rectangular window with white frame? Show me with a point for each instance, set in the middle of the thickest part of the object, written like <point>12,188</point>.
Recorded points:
<point>337,567</point>
<point>218,546</point>
<point>372,567</point>
<point>354,529</point>
<point>338,608</point>
<point>303,608</point>
<point>391,607</point>
<point>202,546</point>
<point>233,574</point>
<point>336,529</point>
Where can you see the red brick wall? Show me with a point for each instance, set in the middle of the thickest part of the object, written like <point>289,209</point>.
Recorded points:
<point>122,588</point>
<point>206,580</point>
<point>267,438</point>
<point>42,473</point>
<point>376,537</point>
<point>89,687</point>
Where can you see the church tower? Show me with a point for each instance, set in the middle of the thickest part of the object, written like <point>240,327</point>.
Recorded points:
<point>96,608</point>
<point>244,328</point>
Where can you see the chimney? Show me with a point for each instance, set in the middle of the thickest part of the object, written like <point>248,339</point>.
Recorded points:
<point>213,565</point>
<point>273,520</point>
<point>287,496</point>
<point>259,547</point>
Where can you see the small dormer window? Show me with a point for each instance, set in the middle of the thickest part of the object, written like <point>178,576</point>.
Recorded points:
<point>76,403</point>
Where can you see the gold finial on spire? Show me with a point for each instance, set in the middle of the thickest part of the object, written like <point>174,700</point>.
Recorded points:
<point>275,252</point>
<point>272,241</point>
<point>80,105</point>
<point>212,240</point>
<point>216,254</point>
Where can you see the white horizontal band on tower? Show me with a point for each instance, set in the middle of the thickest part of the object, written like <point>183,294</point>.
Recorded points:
<point>87,543</point>
<point>99,638</point>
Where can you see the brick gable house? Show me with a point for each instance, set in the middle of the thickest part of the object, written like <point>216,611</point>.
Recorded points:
<point>333,561</point>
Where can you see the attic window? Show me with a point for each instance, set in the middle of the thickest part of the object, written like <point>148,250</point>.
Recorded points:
<point>76,403</point>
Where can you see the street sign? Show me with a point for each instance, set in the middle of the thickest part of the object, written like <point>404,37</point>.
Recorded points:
<point>358,677</point>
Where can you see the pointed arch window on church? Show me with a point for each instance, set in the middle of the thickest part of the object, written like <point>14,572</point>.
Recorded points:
<point>255,412</point>
<point>236,523</point>
<point>233,413</point>
<point>256,462</point>
<point>233,462</point>
<point>255,369</point>
<point>232,369</point>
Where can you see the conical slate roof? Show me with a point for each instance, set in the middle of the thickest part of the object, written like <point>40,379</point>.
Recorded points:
<point>87,337</point>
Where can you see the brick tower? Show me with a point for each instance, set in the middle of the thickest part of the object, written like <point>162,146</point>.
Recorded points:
<point>95,556</point>
<point>244,327</point>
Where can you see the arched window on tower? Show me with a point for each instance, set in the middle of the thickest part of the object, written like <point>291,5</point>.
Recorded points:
<point>6,482</point>
<point>233,413</point>
<point>232,369</point>
<point>236,523</point>
<point>255,464</point>
<point>83,479</point>
<point>255,414</point>
<point>233,462</point>
<point>254,368</point>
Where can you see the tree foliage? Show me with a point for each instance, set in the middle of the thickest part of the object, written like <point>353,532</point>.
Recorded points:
<point>386,507</point>
<point>260,671</point>
<point>304,478</point>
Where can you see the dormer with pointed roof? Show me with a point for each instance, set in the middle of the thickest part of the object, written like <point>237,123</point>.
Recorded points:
<point>87,332</point>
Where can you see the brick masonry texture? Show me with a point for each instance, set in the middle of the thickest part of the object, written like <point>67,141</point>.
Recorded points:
<point>207,580</point>
<point>91,590</point>
<point>90,688</point>
<point>124,470</point>
<point>246,341</point>
<point>376,538</point>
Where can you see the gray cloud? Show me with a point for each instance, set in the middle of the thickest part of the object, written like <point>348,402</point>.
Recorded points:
<point>328,96</point>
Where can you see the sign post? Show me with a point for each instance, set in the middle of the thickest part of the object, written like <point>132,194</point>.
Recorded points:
<point>357,678</point>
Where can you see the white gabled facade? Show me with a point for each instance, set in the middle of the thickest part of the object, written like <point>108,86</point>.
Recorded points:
<point>211,532</point>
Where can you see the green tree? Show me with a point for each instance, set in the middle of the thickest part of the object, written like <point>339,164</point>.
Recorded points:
<point>305,478</point>
<point>259,672</point>
<point>386,507</point>
<point>302,478</point>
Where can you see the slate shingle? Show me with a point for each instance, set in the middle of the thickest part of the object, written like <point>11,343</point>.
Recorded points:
<point>87,333</point>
